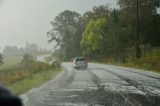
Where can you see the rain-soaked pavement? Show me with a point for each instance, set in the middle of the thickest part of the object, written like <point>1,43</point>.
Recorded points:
<point>99,85</point>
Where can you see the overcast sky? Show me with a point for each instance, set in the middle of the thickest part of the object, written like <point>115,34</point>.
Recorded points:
<point>29,20</point>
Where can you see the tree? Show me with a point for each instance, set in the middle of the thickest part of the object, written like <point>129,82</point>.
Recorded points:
<point>66,31</point>
<point>11,50</point>
<point>148,20</point>
<point>94,37</point>
<point>27,59</point>
<point>106,33</point>
<point>117,38</point>
<point>97,12</point>
<point>31,48</point>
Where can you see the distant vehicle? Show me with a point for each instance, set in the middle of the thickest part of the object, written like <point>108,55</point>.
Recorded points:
<point>80,62</point>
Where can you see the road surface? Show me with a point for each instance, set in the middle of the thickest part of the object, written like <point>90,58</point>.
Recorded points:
<point>99,85</point>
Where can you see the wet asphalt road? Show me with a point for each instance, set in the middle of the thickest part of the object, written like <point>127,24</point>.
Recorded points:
<point>99,85</point>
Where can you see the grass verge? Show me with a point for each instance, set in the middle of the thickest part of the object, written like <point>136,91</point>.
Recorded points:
<point>145,67</point>
<point>33,81</point>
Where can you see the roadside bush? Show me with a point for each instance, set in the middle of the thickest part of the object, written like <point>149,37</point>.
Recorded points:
<point>56,64</point>
<point>1,59</point>
<point>150,61</point>
<point>27,58</point>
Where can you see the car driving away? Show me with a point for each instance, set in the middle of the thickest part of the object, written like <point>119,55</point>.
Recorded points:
<point>80,63</point>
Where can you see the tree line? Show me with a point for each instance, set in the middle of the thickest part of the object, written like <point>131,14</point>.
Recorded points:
<point>105,34</point>
<point>30,48</point>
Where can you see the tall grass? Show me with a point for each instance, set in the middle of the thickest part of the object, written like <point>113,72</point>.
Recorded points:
<point>149,61</point>
<point>21,71</point>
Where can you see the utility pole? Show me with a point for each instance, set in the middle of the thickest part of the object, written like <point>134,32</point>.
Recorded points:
<point>138,51</point>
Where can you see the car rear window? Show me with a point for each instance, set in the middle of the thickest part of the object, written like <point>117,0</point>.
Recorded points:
<point>80,59</point>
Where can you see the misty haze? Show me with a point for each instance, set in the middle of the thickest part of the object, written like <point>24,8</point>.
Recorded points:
<point>79,53</point>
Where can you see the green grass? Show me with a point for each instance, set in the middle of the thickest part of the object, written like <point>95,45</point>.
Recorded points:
<point>146,66</point>
<point>10,61</point>
<point>33,81</point>
<point>149,61</point>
